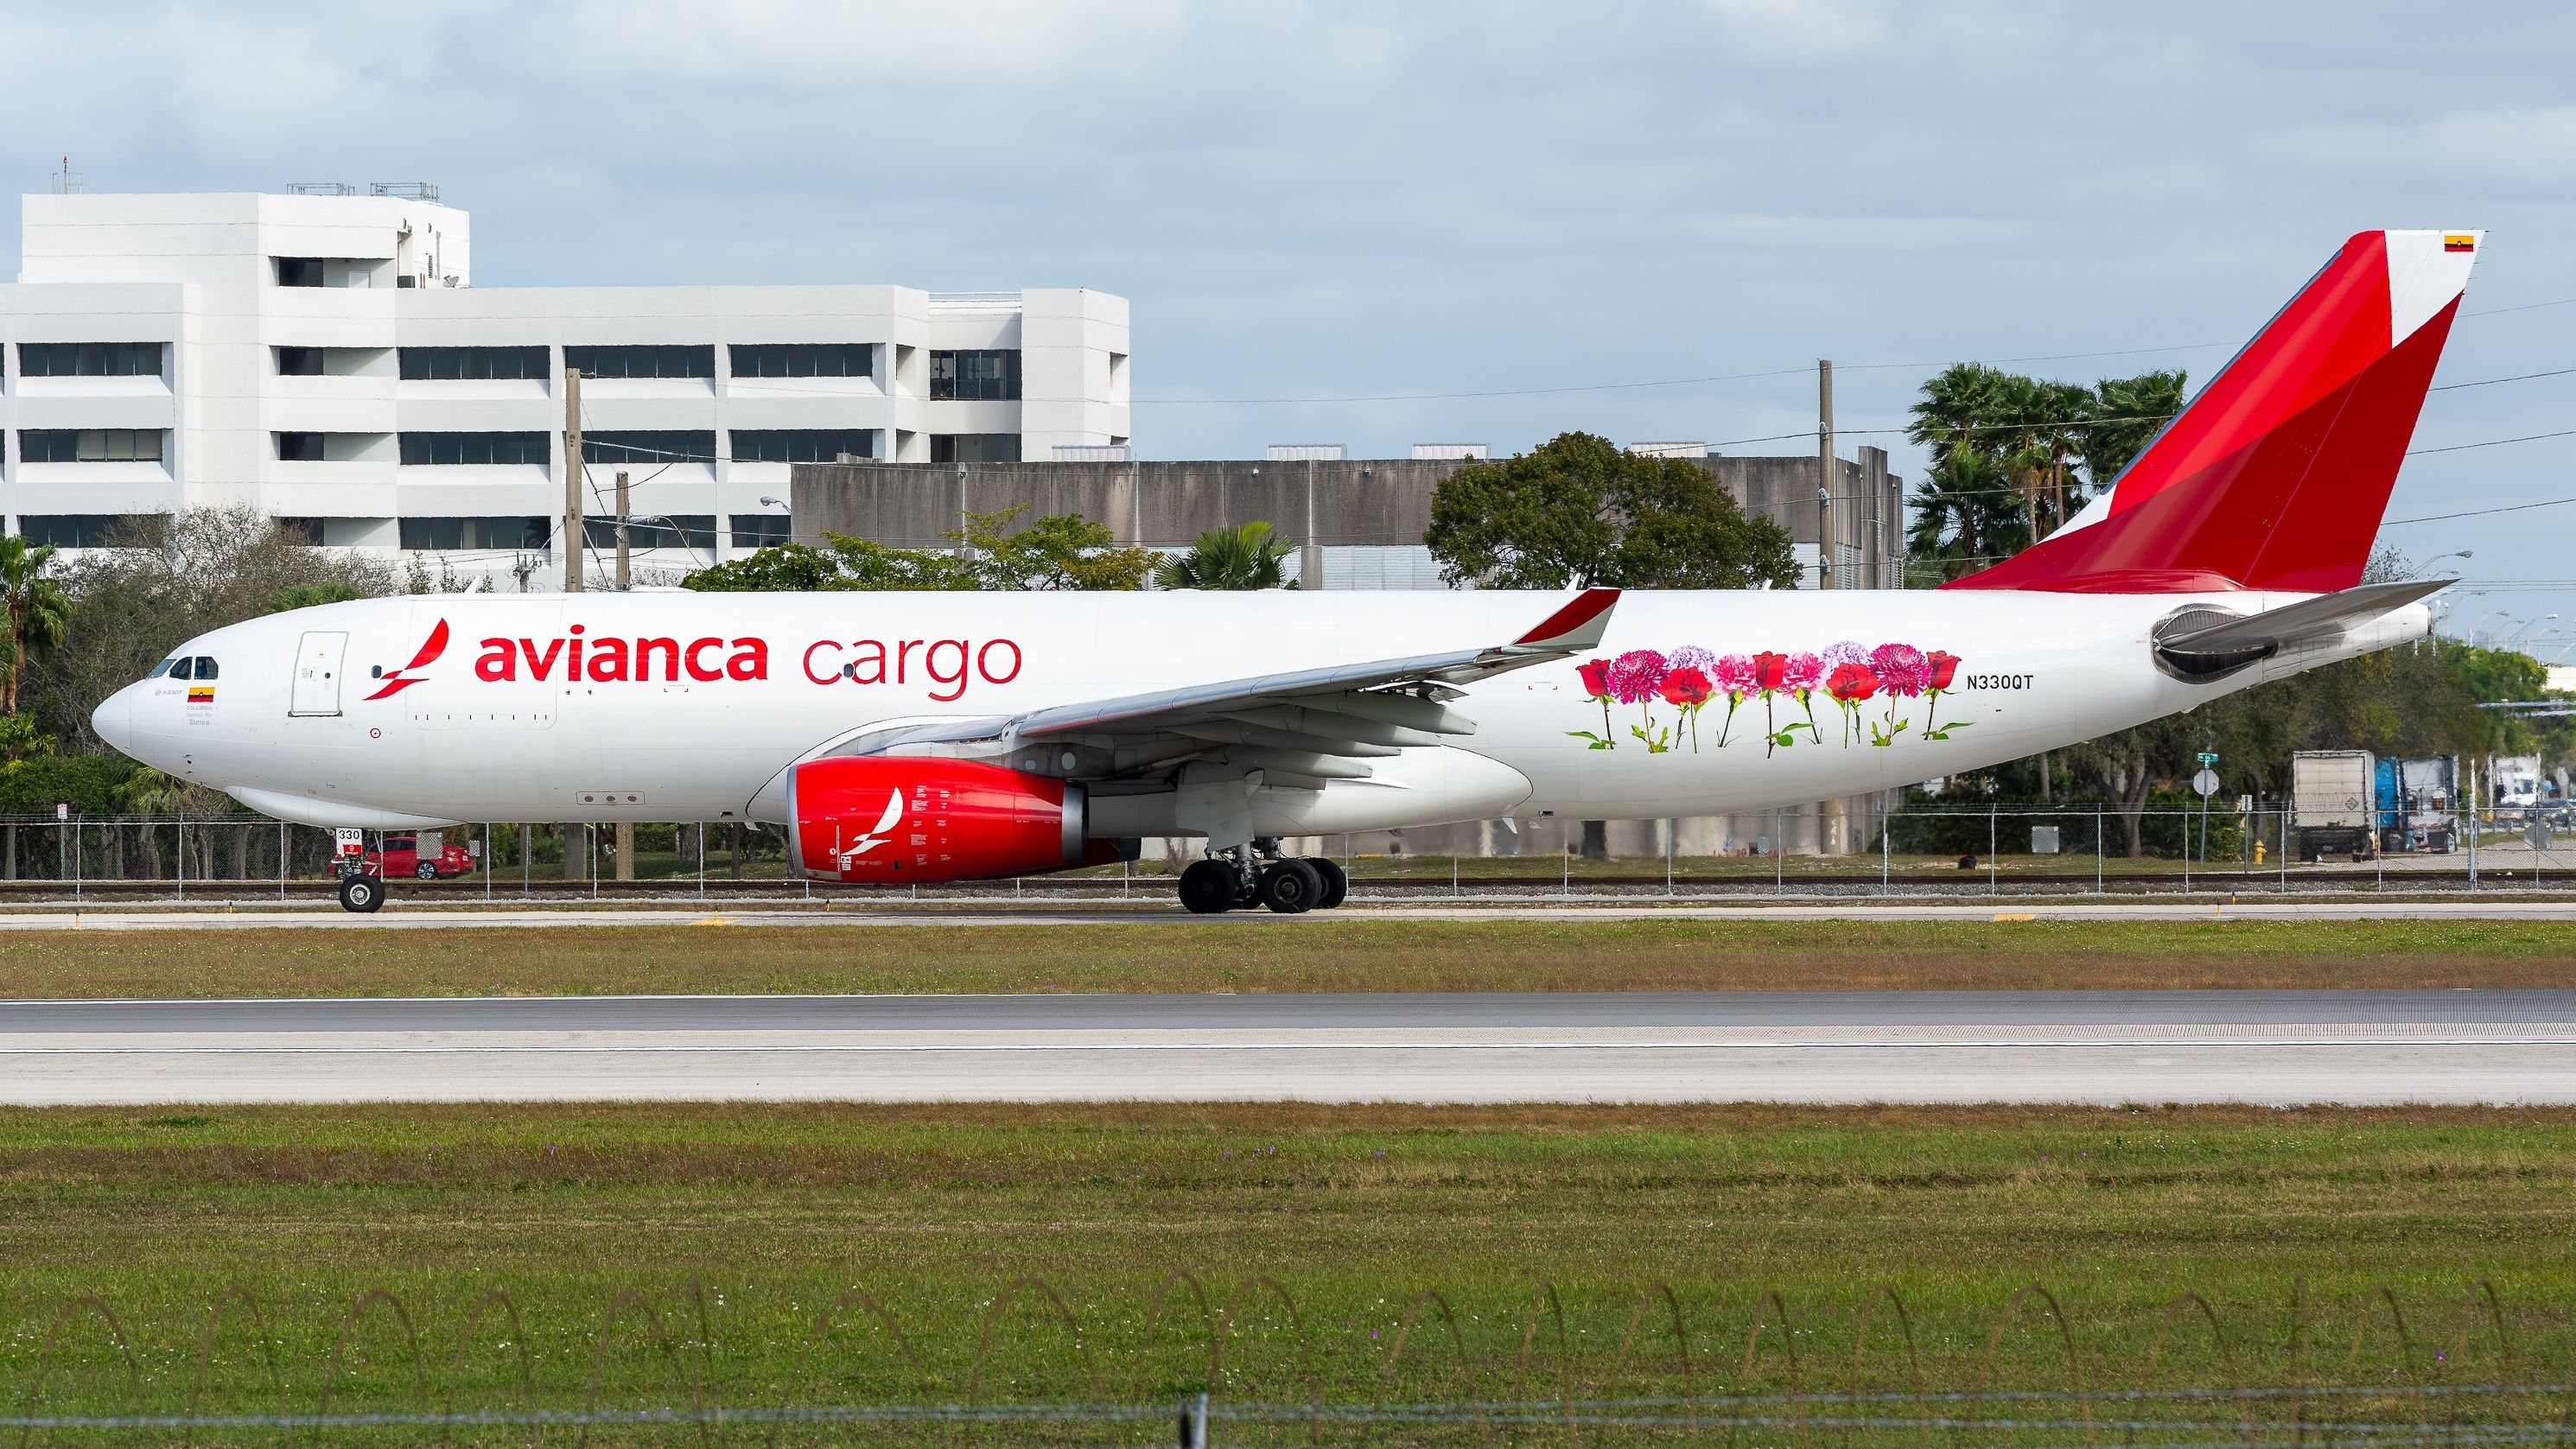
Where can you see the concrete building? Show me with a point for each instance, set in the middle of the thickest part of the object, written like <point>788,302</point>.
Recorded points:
<point>1359,521</point>
<point>326,357</point>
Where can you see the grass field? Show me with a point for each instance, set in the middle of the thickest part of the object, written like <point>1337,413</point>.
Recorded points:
<point>1305,954</point>
<point>1314,1233</point>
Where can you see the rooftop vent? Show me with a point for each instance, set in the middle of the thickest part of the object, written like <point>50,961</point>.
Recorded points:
<point>408,190</point>
<point>320,188</point>
<point>1091,452</point>
<point>1439,451</point>
<point>1669,450</point>
<point>1305,452</point>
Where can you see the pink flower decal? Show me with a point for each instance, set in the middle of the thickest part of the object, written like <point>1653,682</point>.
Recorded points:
<point>1634,675</point>
<point>1902,668</point>
<point>1803,672</point>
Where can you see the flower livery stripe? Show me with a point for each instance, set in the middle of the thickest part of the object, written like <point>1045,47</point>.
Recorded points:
<point>1873,688</point>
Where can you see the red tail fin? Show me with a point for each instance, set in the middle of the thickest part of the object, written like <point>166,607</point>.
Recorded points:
<point>2277,473</point>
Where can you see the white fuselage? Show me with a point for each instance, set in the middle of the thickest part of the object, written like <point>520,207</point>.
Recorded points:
<point>735,688</point>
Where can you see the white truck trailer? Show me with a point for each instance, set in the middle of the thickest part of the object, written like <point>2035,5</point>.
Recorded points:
<point>2333,803</point>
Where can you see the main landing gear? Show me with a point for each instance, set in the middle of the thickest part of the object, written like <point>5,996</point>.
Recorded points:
<point>361,893</point>
<point>1245,876</point>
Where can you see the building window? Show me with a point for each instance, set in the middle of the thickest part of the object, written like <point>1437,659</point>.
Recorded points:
<point>642,361</point>
<point>695,531</point>
<point>299,447</point>
<point>300,529</point>
<point>801,445</point>
<point>453,448</point>
<point>472,364</point>
<point>299,362</point>
<point>89,359</point>
<point>299,271</point>
<point>649,447</point>
<point>92,530</point>
<point>974,447</point>
<point>991,375</point>
<point>89,445</point>
<point>802,359</point>
<point>452,535</point>
<point>761,530</point>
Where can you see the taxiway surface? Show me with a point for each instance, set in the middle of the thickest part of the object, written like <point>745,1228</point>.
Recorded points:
<point>2272,1047</point>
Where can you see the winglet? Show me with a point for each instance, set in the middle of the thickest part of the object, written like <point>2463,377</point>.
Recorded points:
<point>1576,627</point>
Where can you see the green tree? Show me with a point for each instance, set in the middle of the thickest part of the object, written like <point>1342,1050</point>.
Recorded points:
<point>1248,557</point>
<point>2126,414</point>
<point>1065,551</point>
<point>1580,510</point>
<point>1961,517</point>
<point>35,613</point>
<point>313,595</point>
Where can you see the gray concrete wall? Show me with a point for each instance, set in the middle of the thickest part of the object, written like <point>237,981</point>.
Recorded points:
<point>1350,501</point>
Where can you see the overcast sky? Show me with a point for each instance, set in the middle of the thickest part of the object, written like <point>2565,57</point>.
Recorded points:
<point>1329,201</point>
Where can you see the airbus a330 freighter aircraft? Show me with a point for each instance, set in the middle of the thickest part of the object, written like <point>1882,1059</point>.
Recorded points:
<point>918,738</point>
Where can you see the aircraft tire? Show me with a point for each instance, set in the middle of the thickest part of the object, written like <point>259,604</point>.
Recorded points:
<point>1207,888</point>
<point>361,893</point>
<point>1337,882</point>
<point>1291,887</point>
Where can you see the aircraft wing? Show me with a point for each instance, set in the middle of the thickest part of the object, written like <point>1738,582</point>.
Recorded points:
<point>1302,727</point>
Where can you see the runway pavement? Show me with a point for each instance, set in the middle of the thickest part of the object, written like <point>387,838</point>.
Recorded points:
<point>2089,1047</point>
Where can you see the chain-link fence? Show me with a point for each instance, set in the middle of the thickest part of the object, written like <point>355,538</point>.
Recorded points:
<point>1211,1363</point>
<point>2241,847</point>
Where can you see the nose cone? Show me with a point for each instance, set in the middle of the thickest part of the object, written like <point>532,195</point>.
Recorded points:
<point>114,719</point>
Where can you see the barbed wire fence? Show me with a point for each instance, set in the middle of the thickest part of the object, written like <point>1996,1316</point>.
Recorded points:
<point>657,1371</point>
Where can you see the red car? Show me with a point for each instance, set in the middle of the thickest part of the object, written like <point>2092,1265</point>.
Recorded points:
<point>401,856</point>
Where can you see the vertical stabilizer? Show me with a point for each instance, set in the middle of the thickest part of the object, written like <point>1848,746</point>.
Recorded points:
<point>2277,473</point>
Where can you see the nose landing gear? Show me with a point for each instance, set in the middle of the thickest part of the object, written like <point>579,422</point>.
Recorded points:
<point>1242,876</point>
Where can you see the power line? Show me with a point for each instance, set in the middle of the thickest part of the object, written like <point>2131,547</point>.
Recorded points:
<point>2479,512</point>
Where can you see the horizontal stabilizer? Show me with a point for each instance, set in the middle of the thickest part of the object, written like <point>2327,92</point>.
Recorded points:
<point>2275,629</point>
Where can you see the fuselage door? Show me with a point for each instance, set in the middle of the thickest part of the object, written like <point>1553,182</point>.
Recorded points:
<point>317,672</point>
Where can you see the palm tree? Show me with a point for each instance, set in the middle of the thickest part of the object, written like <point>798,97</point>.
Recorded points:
<point>2126,415</point>
<point>1958,404</point>
<point>34,611</point>
<point>1963,516</point>
<point>1228,558</point>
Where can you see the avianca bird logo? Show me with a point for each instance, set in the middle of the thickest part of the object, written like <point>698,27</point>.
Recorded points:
<point>876,836</point>
<point>403,678</point>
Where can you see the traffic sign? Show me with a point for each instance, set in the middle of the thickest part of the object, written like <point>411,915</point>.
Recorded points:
<point>2206,782</point>
<point>2207,758</point>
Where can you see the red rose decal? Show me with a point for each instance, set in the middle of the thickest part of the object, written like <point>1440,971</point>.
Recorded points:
<point>1945,667</point>
<point>1688,686</point>
<point>1596,677</point>
<point>1851,683</point>
<point>1770,670</point>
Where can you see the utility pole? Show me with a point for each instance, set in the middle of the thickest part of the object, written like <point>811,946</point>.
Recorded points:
<point>570,830</point>
<point>1824,474</point>
<point>572,524</point>
<point>625,828</point>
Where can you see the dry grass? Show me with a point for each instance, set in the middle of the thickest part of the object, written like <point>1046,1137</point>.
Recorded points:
<point>1298,955</point>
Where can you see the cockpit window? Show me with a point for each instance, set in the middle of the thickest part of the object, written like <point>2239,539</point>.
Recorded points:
<point>205,666</point>
<point>162,668</point>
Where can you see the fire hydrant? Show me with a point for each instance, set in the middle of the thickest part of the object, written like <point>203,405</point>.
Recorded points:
<point>2258,852</point>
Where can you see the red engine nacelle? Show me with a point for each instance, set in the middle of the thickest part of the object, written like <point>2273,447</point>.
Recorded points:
<point>894,821</point>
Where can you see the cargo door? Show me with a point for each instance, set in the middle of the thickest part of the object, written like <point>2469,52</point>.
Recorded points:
<point>317,672</point>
